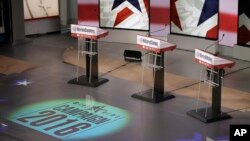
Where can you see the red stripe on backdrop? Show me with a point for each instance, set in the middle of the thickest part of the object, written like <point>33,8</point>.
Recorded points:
<point>122,15</point>
<point>212,33</point>
<point>90,12</point>
<point>160,15</point>
<point>146,2</point>
<point>228,22</point>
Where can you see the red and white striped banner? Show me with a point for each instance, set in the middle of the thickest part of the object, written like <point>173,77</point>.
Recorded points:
<point>160,16</point>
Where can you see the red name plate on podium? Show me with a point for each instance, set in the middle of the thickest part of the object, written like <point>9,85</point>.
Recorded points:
<point>153,44</point>
<point>87,32</point>
<point>208,60</point>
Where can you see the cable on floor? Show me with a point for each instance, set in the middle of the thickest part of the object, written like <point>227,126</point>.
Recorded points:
<point>237,71</point>
<point>238,110</point>
<point>123,65</point>
<point>187,86</point>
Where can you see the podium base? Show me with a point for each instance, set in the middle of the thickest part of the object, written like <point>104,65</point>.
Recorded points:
<point>84,81</point>
<point>157,98</point>
<point>212,116</point>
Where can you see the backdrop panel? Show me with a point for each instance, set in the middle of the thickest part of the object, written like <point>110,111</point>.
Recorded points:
<point>244,23</point>
<point>88,14</point>
<point>195,18</point>
<point>124,14</point>
<point>36,9</point>
<point>228,14</point>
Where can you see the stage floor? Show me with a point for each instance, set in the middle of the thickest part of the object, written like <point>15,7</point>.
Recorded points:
<point>36,105</point>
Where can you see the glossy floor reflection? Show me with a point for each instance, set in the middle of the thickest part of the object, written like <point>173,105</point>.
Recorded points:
<point>166,121</point>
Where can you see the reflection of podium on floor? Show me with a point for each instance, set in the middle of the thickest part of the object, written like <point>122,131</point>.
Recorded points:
<point>154,59</point>
<point>213,76</point>
<point>88,46</point>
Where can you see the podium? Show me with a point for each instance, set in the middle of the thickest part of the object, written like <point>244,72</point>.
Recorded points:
<point>88,46</point>
<point>155,51</point>
<point>213,76</point>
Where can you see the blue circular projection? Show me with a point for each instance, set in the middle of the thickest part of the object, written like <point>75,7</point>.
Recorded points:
<point>72,119</point>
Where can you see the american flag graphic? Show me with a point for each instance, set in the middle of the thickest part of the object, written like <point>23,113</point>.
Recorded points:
<point>160,16</point>
<point>244,23</point>
<point>195,17</point>
<point>124,14</point>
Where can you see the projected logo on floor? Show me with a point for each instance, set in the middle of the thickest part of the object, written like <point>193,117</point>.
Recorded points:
<point>72,119</point>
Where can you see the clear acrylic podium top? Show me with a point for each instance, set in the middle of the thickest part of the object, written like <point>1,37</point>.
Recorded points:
<point>88,32</point>
<point>153,44</point>
<point>213,62</point>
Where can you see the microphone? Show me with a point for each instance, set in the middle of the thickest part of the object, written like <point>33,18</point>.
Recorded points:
<point>218,41</point>
<point>149,33</point>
